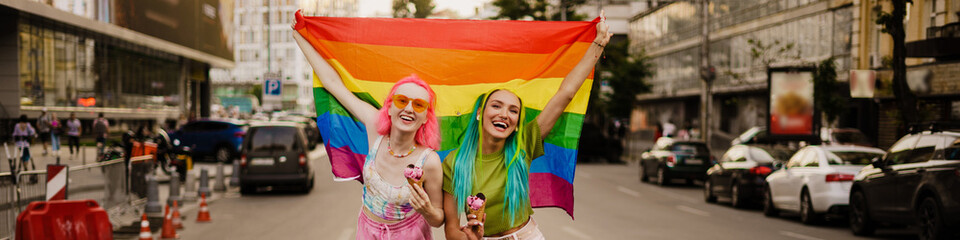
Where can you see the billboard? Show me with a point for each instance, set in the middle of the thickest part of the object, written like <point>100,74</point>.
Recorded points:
<point>204,25</point>
<point>791,112</point>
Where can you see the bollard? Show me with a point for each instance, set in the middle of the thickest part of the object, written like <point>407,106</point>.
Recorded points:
<point>204,183</point>
<point>189,188</point>
<point>218,184</point>
<point>174,188</point>
<point>235,175</point>
<point>153,208</point>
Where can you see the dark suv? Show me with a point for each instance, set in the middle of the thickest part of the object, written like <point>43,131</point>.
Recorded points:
<point>275,154</point>
<point>218,138</point>
<point>917,182</point>
<point>672,158</point>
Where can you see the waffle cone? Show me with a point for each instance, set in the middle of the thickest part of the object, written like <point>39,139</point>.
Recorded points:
<point>479,212</point>
<point>415,182</point>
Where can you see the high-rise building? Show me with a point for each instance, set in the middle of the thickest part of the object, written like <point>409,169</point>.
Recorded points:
<point>264,44</point>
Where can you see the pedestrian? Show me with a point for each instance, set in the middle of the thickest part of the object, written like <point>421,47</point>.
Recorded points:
<point>405,131</point>
<point>669,129</point>
<point>22,132</point>
<point>56,129</point>
<point>73,134</point>
<point>43,128</point>
<point>495,154</point>
<point>101,128</point>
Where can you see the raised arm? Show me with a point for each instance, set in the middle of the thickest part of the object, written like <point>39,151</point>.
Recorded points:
<point>334,84</point>
<point>571,83</point>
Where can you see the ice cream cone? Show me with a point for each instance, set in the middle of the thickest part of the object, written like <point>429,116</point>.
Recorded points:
<point>412,182</point>
<point>414,175</point>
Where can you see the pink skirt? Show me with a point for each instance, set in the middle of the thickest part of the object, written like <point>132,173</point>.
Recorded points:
<point>413,227</point>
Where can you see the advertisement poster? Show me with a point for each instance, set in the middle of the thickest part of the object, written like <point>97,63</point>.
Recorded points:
<point>791,102</point>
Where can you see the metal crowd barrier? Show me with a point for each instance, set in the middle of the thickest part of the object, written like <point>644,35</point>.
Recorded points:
<point>120,192</point>
<point>8,205</point>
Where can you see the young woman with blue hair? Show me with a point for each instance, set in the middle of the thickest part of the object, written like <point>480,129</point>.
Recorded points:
<point>495,153</point>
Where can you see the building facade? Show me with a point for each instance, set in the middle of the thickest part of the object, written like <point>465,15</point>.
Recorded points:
<point>264,44</point>
<point>135,60</point>
<point>746,36</point>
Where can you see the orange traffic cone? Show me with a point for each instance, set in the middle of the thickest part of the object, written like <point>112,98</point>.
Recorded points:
<point>145,233</point>
<point>177,222</point>
<point>204,214</point>
<point>168,232</point>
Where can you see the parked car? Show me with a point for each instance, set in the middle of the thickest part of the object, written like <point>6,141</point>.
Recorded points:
<point>275,154</point>
<point>740,175</point>
<point>917,182</point>
<point>220,139</point>
<point>671,158</point>
<point>310,127</point>
<point>828,136</point>
<point>816,181</point>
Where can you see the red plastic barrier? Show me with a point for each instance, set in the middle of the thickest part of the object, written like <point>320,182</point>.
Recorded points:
<point>67,219</point>
<point>137,149</point>
<point>149,148</point>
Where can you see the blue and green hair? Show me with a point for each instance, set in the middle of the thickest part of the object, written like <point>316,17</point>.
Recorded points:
<point>517,195</point>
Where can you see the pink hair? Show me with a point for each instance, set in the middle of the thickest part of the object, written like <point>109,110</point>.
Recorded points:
<point>429,133</point>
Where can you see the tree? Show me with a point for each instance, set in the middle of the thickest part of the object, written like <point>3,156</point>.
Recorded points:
<point>536,10</point>
<point>825,93</point>
<point>421,8</point>
<point>626,77</point>
<point>893,24</point>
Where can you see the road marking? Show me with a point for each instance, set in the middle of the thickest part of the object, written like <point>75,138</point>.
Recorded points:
<point>693,211</point>
<point>576,233</point>
<point>628,191</point>
<point>345,234</point>
<point>798,236</point>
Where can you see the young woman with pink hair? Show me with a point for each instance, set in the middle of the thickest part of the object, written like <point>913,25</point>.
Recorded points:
<point>405,131</point>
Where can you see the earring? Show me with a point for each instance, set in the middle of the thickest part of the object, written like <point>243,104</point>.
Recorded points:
<point>478,117</point>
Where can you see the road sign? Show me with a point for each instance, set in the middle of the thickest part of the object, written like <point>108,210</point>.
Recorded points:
<point>272,87</point>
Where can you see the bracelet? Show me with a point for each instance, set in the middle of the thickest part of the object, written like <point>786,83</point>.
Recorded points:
<point>598,44</point>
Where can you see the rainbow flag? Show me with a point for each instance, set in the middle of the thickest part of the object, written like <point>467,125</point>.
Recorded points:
<point>461,59</point>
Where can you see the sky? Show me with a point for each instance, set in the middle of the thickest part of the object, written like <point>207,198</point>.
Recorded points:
<point>369,8</point>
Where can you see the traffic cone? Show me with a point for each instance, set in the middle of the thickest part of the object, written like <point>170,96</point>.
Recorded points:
<point>168,232</point>
<point>177,222</point>
<point>204,214</point>
<point>145,233</point>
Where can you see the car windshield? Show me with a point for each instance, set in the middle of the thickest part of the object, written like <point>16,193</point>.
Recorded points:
<point>273,139</point>
<point>953,151</point>
<point>851,158</point>
<point>851,137</point>
<point>769,155</point>
<point>690,148</point>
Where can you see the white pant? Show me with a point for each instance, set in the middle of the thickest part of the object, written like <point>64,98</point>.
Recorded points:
<point>529,231</point>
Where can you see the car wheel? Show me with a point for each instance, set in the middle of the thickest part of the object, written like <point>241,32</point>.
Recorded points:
<point>807,215</point>
<point>247,189</point>
<point>769,209</point>
<point>735,196</point>
<point>223,154</point>
<point>930,220</point>
<point>662,179</point>
<point>860,222</point>
<point>708,192</point>
<point>644,177</point>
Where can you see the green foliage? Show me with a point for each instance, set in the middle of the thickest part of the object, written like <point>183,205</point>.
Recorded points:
<point>890,20</point>
<point>626,77</point>
<point>422,8</point>
<point>257,91</point>
<point>536,10</point>
<point>826,95</point>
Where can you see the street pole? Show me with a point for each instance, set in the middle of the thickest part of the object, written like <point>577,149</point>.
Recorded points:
<point>268,36</point>
<point>706,73</point>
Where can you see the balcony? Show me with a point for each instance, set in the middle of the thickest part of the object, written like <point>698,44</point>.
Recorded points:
<point>941,43</point>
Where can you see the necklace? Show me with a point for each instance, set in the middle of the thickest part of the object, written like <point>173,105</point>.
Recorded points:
<point>399,155</point>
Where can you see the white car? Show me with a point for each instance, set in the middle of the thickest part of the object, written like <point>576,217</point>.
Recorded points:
<point>816,181</point>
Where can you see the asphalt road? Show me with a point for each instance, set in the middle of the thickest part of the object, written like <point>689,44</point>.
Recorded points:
<point>610,204</point>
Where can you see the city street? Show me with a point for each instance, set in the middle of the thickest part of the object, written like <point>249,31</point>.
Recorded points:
<point>610,204</point>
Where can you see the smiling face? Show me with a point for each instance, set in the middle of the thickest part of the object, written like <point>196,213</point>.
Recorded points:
<point>406,119</point>
<point>501,115</point>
